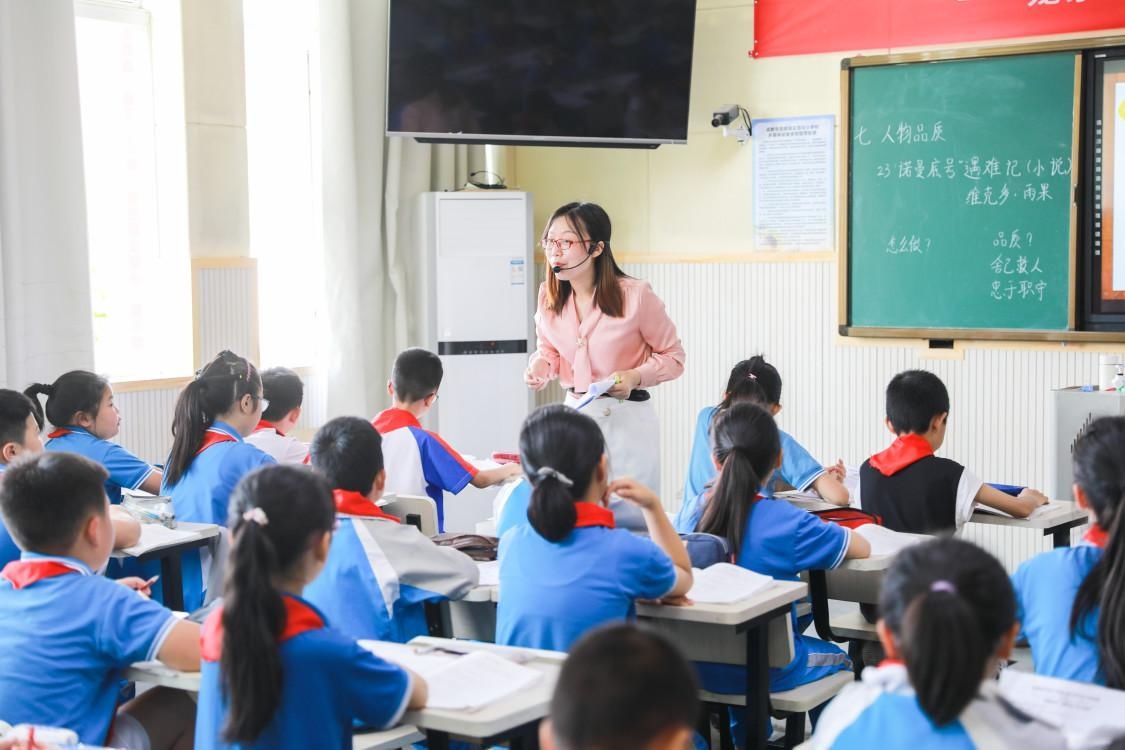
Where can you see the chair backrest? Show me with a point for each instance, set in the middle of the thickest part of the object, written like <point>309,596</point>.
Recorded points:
<point>415,510</point>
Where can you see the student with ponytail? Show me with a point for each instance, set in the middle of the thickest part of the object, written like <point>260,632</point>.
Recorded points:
<point>758,382</point>
<point>769,536</point>
<point>1072,600</point>
<point>948,621</point>
<point>275,675</point>
<point>80,407</point>
<point>569,570</point>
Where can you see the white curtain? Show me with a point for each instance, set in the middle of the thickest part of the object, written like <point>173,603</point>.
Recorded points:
<point>45,318</point>
<point>370,185</point>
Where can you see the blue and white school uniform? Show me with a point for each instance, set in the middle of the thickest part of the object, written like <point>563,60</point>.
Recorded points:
<point>1046,586</point>
<point>65,634</point>
<point>883,711</point>
<point>202,494</point>
<point>9,552</point>
<point>780,541</point>
<point>380,573</point>
<point>798,467</point>
<point>554,592</point>
<point>329,682</point>
<point>419,462</point>
<point>125,469</point>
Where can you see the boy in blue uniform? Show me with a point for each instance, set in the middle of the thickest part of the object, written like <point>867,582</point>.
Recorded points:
<point>418,461</point>
<point>66,632</point>
<point>1072,616</point>
<point>909,487</point>
<point>622,687</point>
<point>274,674</point>
<point>948,621</point>
<point>379,572</point>
<point>80,406</point>
<point>757,381</point>
<point>568,569</point>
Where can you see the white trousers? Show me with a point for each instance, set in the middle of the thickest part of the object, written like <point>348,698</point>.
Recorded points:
<point>632,437</point>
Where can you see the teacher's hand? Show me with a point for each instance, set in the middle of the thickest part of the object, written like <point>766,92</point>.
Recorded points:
<point>627,382</point>
<point>536,375</point>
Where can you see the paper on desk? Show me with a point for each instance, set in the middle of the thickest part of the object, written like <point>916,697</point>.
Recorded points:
<point>723,583</point>
<point>154,536</point>
<point>596,390</point>
<point>1089,716</point>
<point>489,573</point>
<point>459,683</point>
<point>884,541</point>
<point>1047,507</point>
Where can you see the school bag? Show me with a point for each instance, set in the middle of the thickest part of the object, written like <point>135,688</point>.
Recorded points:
<point>849,518</point>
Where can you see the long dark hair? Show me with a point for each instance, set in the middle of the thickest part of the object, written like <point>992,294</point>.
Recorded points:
<point>754,380</point>
<point>216,388</point>
<point>948,604</point>
<point>276,513</point>
<point>745,440</point>
<point>1099,469</point>
<point>75,392</point>
<point>559,450</point>
<point>590,222</point>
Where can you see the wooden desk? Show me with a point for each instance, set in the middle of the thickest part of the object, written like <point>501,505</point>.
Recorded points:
<point>171,567</point>
<point>711,632</point>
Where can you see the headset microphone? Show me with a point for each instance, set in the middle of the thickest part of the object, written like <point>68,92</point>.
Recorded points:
<point>589,254</point>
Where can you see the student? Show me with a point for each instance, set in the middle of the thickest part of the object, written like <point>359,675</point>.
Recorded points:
<point>214,413</point>
<point>419,462</point>
<point>285,392</point>
<point>622,687</point>
<point>771,537</point>
<point>275,675</point>
<point>65,632</point>
<point>948,622</point>
<point>80,406</point>
<point>20,425</point>
<point>1072,615</point>
<point>569,570</point>
<point>757,381</point>
<point>379,572</point>
<point>912,489</point>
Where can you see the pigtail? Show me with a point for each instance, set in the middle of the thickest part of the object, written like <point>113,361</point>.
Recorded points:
<point>189,422</point>
<point>551,511</point>
<point>33,392</point>
<point>733,499</point>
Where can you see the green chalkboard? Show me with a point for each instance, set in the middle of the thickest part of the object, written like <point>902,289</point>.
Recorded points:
<point>960,185</point>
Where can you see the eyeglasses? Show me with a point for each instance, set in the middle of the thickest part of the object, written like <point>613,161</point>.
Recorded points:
<point>547,243</point>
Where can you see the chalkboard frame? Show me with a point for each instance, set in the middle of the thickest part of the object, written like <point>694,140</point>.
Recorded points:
<point>1071,332</point>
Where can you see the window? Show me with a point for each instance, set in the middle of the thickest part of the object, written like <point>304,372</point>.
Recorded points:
<point>283,162</point>
<point>135,174</point>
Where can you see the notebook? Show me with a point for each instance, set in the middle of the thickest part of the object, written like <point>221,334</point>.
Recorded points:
<point>884,541</point>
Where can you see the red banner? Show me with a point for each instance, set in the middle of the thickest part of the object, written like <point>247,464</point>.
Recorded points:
<point>797,27</point>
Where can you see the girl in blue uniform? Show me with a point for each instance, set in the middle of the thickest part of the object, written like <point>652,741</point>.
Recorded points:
<point>1072,600</point>
<point>771,537</point>
<point>80,406</point>
<point>568,569</point>
<point>275,675</point>
<point>758,381</point>
<point>214,413</point>
<point>948,620</point>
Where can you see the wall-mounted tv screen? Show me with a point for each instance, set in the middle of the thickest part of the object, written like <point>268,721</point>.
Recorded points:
<point>581,72</point>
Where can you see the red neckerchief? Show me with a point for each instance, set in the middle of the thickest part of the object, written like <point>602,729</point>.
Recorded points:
<point>57,433</point>
<point>299,618</point>
<point>214,437</point>
<point>356,504</point>
<point>264,425</point>
<point>888,662</point>
<point>904,451</point>
<point>593,515</point>
<point>1096,536</point>
<point>23,573</point>
<point>392,419</point>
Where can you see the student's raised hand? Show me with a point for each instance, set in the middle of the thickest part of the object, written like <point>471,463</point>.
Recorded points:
<point>630,489</point>
<point>837,470</point>
<point>1034,498</point>
<point>535,376</point>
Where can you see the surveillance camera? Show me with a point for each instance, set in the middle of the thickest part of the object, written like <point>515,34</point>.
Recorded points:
<point>725,115</point>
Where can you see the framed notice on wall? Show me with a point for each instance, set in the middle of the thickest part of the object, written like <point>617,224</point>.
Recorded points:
<point>794,184</point>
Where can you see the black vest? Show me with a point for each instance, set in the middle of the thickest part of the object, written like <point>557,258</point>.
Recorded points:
<point>919,499</point>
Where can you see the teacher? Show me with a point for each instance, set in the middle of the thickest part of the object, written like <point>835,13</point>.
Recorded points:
<point>594,323</point>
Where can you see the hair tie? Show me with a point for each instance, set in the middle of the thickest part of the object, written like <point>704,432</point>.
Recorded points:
<point>943,585</point>
<point>256,515</point>
<point>751,376</point>
<point>546,471</point>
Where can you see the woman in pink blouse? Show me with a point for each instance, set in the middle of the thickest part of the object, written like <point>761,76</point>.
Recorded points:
<point>595,323</point>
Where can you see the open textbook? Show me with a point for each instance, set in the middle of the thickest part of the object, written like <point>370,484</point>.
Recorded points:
<point>459,681</point>
<point>1089,716</point>
<point>885,541</point>
<point>723,583</point>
